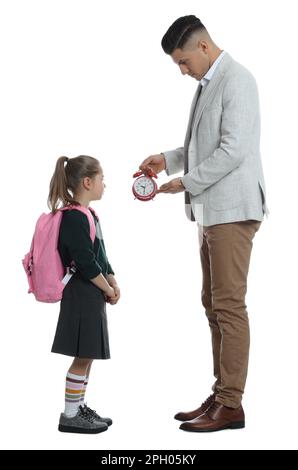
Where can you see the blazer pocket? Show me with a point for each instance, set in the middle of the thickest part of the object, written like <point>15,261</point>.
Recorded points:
<point>212,107</point>
<point>226,193</point>
<point>210,120</point>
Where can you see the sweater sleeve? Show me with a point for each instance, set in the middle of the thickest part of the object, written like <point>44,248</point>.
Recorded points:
<point>110,269</point>
<point>75,235</point>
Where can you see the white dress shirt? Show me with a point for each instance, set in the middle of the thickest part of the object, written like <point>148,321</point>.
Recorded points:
<point>207,77</point>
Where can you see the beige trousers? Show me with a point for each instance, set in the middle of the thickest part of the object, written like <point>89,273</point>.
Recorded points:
<point>225,254</point>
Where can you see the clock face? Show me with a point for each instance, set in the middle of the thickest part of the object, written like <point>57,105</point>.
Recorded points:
<point>144,186</point>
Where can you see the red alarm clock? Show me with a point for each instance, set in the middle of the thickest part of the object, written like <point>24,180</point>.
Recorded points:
<point>144,187</point>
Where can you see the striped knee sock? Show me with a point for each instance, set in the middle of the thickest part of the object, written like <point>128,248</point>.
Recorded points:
<point>73,389</point>
<point>83,391</point>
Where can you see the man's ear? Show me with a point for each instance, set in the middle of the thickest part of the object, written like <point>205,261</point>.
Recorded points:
<point>204,45</point>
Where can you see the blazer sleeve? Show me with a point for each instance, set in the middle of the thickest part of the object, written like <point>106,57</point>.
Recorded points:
<point>240,120</point>
<point>174,160</point>
<point>75,235</point>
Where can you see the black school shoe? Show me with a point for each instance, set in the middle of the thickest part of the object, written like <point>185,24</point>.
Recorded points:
<point>93,413</point>
<point>83,422</point>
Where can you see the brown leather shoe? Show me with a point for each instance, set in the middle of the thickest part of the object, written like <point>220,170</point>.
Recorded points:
<point>188,415</point>
<point>216,418</point>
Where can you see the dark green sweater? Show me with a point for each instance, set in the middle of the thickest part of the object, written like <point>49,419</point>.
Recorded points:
<point>75,244</point>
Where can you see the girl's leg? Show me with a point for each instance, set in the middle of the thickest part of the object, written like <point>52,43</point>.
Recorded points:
<point>75,380</point>
<point>88,369</point>
<point>80,366</point>
<point>85,383</point>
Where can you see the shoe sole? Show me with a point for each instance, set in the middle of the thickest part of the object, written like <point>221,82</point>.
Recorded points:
<point>236,425</point>
<point>73,429</point>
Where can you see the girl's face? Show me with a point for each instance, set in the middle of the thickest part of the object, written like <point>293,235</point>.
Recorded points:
<point>98,186</point>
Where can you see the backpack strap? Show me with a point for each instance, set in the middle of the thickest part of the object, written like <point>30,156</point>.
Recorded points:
<point>89,217</point>
<point>72,268</point>
<point>94,212</point>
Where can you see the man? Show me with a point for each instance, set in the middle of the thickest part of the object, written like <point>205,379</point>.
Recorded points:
<point>225,194</point>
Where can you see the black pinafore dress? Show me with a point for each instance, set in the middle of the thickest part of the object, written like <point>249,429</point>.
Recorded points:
<point>82,328</point>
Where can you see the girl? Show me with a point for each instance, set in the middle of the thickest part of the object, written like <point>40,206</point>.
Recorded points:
<point>82,325</point>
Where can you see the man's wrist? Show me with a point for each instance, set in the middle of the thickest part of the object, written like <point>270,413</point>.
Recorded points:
<point>164,159</point>
<point>181,183</point>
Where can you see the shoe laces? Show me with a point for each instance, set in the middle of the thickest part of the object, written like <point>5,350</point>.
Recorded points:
<point>209,400</point>
<point>90,412</point>
<point>85,414</point>
<point>213,407</point>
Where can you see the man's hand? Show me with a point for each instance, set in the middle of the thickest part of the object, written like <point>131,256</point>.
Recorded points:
<point>157,163</point>
<point>173,186</point>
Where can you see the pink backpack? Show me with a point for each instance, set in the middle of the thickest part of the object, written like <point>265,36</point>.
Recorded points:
<point>43,264</point>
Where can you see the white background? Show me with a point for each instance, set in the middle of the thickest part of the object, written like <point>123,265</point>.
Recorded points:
<point>90,77</point>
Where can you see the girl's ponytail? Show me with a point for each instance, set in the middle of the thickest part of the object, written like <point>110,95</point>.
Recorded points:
<point>59,187</point>
<point>67,177</point>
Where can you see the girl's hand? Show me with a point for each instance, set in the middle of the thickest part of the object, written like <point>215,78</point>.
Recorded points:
<point>114,299</point>
<point>109,294</point>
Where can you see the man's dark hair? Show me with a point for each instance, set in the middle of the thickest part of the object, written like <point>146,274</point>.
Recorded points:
<point>179,33</point>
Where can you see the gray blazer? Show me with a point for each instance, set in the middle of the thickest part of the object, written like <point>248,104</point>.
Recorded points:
<point>225,176</point>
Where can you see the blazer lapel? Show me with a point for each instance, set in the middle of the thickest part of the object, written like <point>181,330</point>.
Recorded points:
<point>191,115</point>
<point>211,88</point>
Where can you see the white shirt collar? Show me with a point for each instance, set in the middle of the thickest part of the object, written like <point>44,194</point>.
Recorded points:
<point>207,77</point>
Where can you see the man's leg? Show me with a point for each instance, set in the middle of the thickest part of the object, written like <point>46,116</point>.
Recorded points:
<point>229,247</point>
<point>206,298</point>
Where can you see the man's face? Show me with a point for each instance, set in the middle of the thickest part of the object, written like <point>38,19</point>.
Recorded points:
<point>193,59</point>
